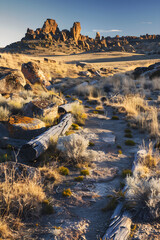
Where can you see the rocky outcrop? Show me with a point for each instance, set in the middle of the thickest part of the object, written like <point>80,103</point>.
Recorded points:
<point>11,80</point>
<point>76,30</point>
<point>50,26</point>
<point>33,73</point>
<point>50,35</point>
<point>153,71</point>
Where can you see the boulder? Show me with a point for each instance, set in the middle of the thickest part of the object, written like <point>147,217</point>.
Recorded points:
<point>76,30</point>
<point>50,26</point>
<point>25,127</point>
<point>11,80</point>
<point>33,73</point>
<point>85,73</point>
<point>41,108</point>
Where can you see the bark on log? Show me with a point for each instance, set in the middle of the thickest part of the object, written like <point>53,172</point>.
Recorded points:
<point>66,107</point>
<point>35,147</point>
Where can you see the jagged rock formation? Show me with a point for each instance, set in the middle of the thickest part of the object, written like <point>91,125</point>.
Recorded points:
<point>76,30</point>
<point>51,38</point>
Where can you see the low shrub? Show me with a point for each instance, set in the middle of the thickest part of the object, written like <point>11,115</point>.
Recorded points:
<point>115,117</point>
<point>75,126</point>
<point>79,179</point>
<point>91,144</point>
<point>128,135</point>
<point>47,207</point>
<point>130,143</point>
<point>67,192</point>
<point>64,171</point>
<point>84,172</point>
<point>126,172</point>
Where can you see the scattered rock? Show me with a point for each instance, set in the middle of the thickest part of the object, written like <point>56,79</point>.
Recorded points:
<point>49,60</point>
<point>11,79</point>
<point>41,108</point>
<point>33,73</point>
<point>25,127</point>
<point>85,73</point>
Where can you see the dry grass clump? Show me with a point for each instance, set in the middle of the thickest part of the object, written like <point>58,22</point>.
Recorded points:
<point>137,108</point>
<point>5,232</point>
<point>143,188</point>
<point>143,196</point>
<point>74,149</point>
<point>79,114</point>
<point>88,91</point>
<point>22,197</point>
<point>151,158</point>
<point>49,173</point>
<point>4,113</point>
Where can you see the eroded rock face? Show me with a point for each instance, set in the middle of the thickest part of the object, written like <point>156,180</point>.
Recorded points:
<point>50,26</point>
<point>76,30</point>
<point>33,73</point>
<point>11,80</point>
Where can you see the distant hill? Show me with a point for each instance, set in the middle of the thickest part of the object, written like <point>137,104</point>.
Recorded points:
<point>50,40</point>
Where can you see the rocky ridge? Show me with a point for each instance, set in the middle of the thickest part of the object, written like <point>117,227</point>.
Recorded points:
<point>50,37</point>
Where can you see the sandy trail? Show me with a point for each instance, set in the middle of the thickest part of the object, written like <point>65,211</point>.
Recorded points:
<point>89,196</point>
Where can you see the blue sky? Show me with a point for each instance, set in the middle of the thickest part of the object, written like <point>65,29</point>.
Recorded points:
<point>110,17</point>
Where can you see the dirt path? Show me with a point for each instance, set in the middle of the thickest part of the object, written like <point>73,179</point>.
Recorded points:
<point>81,215</point>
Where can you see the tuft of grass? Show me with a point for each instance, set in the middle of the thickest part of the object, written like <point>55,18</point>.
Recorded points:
<point>128,135</point>
<point>115,117</point>
<point>119,151</point>
<point>79,114</point>
<point>130,143</point>
<point>4,113</point>
<point>126,172</point>
<point>75,126</point>
<point>67,192</point>
<point>47,207</point>
<point>49,174</point>
<point>119,146</point>
<point>91,144</point>
<point>95,112</point>
<point>111,205</point>
<point>69,132</point>
<point>127,130</point>
<point>79,178</point>
<point>84,172</point>
<point>64,171</point>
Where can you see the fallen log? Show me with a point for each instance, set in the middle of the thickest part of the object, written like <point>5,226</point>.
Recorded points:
<point>66,107</point>
<point>35,147</point>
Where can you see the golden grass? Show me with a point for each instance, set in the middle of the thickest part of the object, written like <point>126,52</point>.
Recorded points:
<point>21,197</point>
<point>137,108</point>
<point>79,114</point>
<point>5,232</point>
<point>4,113</point>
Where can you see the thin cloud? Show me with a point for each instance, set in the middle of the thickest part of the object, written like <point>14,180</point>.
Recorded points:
<point>146,22</point>
<point>106,31</point>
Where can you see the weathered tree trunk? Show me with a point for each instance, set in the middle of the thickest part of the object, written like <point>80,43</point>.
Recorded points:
<point>35,147</point>
<point>66,107</point>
